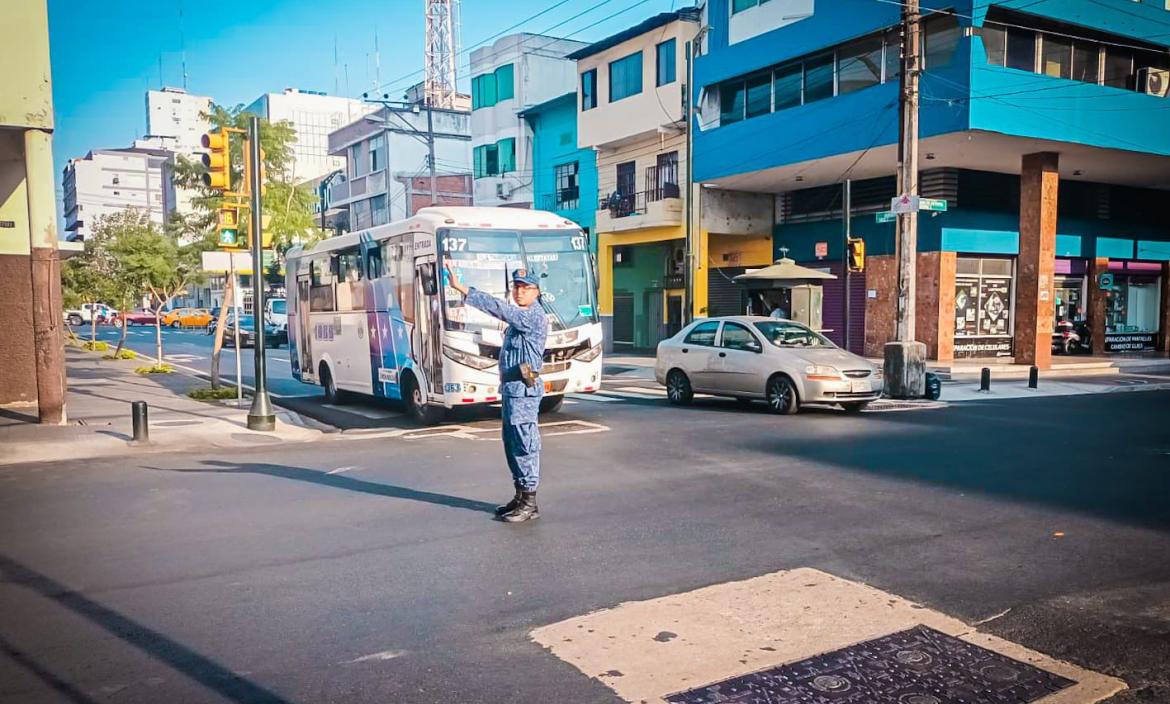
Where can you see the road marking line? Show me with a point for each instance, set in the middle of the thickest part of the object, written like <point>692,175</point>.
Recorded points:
<point>591,397</point>
<point>641,390</point>
<point>384,655</point>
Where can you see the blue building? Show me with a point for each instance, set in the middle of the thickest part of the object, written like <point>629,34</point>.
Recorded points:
<point>1044,125</point>
<point>564,177</point>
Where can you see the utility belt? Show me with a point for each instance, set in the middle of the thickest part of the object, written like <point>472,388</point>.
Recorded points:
<point>523,373</point>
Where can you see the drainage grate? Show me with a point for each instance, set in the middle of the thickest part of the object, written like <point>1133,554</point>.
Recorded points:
<point>916,666</point>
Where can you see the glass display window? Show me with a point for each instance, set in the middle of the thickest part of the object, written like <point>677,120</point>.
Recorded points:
<point>984,318</point>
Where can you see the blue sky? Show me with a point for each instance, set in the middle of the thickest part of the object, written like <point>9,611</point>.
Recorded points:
<point>106,55</point>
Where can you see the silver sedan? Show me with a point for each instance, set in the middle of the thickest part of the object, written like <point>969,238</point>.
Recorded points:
<point>780,361</point>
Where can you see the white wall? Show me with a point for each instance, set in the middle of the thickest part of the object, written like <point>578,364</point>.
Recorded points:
<point>180,116</point>
<point>766,17</point>
<point>314,117</point>
<point>637,115</point>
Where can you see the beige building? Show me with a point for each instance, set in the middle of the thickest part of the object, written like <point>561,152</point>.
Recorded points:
<point>632,111</point>
<point>33,373</point>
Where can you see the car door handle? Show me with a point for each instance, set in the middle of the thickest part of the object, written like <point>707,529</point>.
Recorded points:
<point>685,350</point>
<point>722,354</point>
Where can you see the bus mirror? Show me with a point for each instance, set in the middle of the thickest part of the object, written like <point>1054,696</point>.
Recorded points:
<point>427,272</point>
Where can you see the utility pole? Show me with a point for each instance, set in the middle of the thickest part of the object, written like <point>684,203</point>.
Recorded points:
<point>847,212</point>
<point>261,416</point>
<point>431,153</point>
<point>905,359</point>
<point>689,288</point>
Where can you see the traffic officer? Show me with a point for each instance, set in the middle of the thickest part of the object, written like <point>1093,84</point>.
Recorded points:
<point>520,385</point>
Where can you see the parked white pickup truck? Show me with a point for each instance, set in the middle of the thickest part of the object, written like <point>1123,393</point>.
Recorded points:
<point>87,311</point>
<point>277,312</point>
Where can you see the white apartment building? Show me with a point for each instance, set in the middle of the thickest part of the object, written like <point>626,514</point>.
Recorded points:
<point>178,119</point>
<point>314,115</point>
<point>107,181</point>
<point>515,73</point>
<point>386,175</point>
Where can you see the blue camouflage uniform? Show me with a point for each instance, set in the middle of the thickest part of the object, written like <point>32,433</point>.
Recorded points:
<point>524,341</point>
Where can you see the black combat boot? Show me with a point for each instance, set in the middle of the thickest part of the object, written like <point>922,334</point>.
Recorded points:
<point>525,511</point>
<point>511,505</point>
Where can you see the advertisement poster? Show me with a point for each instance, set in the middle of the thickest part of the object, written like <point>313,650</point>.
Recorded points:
<point>983,317</point>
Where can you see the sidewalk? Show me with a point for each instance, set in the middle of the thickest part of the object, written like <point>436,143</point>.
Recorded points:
<point>98,405</point>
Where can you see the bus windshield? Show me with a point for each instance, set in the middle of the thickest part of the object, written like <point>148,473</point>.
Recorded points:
<point>485,260</point>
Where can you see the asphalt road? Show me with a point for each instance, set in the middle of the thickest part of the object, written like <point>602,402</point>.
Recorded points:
<point>369,570</point>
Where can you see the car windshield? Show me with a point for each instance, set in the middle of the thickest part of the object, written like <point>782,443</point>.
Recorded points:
<point>278,306</point>
<point>246,321</point>
<point>485,260</point>
<point>783,333</point>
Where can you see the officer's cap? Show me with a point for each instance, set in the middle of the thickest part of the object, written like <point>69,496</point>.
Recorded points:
<point>528,278</point>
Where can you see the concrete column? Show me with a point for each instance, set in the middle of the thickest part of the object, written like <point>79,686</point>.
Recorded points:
<point>1097,301</point>
<point>48,338</point>
<point>1164,312</point>
<point>881,277</point>
<point>1035,307</point>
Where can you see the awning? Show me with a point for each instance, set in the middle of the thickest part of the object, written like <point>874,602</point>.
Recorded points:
<point>785,270</point>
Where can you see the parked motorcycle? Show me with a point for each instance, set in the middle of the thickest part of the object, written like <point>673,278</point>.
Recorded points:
<point>1070,337</point>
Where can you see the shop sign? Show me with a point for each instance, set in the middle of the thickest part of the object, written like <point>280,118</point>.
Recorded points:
<point>966,347</point>
<point>1117,343</point>
<point>1105,281</point>
<point>822,250</point>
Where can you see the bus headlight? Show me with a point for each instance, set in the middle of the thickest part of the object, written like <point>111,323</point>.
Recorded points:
<point>589,355</point>
<point>467,359</point>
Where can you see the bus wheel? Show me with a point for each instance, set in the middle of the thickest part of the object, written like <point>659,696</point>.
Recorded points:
<point>551,404</point>
<point>416,403</point>
<point>333,395</point>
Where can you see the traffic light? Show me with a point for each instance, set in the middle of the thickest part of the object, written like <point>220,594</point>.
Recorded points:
<point>218,161</point>
<point>856,254</point>
<point>227,227</point>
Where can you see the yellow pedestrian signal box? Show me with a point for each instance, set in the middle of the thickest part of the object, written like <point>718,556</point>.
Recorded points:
<point>227,229</point>
<point>218,161</point>
<point>856,254</point>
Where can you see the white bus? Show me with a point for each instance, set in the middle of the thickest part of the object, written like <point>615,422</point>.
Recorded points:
<point>368,312</point>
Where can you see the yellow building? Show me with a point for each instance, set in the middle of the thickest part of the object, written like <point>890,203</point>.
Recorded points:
<point>33,373</point>
<point>631,111</point>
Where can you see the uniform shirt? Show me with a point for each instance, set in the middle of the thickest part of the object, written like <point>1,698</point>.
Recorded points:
<point>524,341</point>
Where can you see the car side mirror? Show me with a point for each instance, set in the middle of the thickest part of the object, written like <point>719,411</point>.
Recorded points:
<point>755,347</point>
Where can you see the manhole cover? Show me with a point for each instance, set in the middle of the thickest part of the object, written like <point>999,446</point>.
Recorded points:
<point>916,666</point>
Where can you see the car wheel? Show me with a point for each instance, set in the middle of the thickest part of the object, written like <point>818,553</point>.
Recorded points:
<point>75,319</point>
<point>416,403</point>
<point>678,388</point>
<point>782,396</point>
<point>855,407</point>
<point>551,404</point>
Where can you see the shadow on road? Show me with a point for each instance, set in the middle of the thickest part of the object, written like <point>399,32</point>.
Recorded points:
<point>199,668</point>
<point>1106,455</point>
<point>54,682</point>
<point>337,481</point>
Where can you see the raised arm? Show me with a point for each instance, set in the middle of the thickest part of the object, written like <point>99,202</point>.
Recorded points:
<point>524,320</point>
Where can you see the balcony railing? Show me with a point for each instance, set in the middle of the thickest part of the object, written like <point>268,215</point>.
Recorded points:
<point>621,205</point>
<point>565,199</point>
<point>662,181</point>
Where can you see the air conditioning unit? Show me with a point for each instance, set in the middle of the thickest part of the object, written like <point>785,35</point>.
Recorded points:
<point>1154,81</point>
<point>503,192</point>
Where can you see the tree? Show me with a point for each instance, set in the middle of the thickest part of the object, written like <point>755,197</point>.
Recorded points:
<point>156,263</point>
<point>287,205</point>
<point>86,278</point>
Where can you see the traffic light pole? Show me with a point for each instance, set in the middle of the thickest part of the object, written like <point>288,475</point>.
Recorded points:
<point>262,416</point>
<point>847,216</point>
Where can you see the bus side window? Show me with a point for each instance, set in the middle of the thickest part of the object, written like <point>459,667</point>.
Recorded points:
<point>374,268</point>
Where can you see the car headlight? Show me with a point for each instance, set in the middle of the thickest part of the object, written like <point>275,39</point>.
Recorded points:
<point>589,355</point>
<point>467,359</point>
<point>819,372</point>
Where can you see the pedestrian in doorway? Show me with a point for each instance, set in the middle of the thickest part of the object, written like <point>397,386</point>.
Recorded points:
<point>520,385</point>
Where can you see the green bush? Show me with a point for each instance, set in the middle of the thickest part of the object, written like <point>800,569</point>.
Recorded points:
<point>95,345</point>
<point>156,369</point>
<point>209,394</point>
<point>124,354</point>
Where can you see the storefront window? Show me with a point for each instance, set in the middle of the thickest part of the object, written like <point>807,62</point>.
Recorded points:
<point>1131,313</point>
<point>983,307</point>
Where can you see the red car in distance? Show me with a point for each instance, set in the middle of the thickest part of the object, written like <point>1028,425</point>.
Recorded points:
<point>141,316</point>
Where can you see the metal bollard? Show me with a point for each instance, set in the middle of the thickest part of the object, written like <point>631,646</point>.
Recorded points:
<point>1033,377</point>
<point>138,412</point>
<point>985,380</point>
